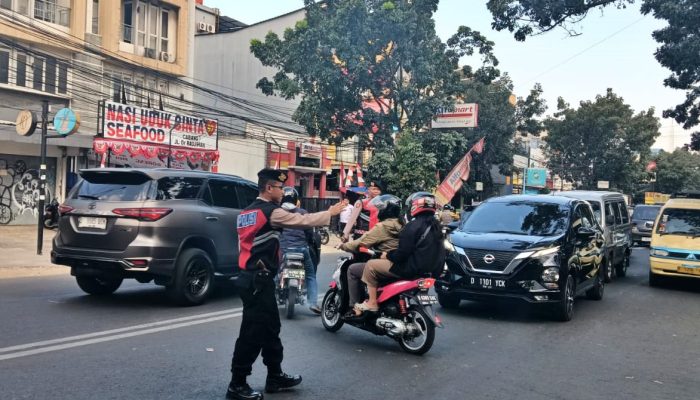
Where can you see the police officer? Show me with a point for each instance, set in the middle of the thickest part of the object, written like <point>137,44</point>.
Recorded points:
<point>259,227</point>
<point>364,215</point>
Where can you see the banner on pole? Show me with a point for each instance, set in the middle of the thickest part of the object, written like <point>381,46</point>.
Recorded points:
<point>460,173</point>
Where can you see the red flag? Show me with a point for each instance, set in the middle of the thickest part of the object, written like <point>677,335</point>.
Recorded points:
<point>453,180</point>
<point>348,178</point>
<point>479,146</point>
<point>360,181</point>
<point>278,161</point>
<point>651,166</point>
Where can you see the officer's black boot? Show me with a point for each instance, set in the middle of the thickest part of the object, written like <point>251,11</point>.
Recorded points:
<point>279,381</point>
<point>238,389</point>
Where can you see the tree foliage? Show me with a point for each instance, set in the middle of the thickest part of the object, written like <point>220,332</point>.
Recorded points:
<point>368,67</point>
<point>601,140</point>
<point>678,40</point>
<point>677,171</point>
<point>406,167</point>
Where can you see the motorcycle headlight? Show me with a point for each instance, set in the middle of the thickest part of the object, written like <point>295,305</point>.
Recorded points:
<point>658,252</point>
<point>548,257</point>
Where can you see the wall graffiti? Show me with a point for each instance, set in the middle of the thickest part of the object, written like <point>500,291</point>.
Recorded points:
<point>20,188</point>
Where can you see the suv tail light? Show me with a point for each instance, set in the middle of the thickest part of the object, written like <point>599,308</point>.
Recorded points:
<point>64,209</point>
<point>143,214</point>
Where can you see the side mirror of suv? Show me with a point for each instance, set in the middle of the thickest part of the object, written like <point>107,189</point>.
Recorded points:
<point>609,220</point>
<point>585,233</point>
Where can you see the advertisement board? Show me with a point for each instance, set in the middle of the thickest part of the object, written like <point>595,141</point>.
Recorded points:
<point>143,125</point>
<point>536,177</point>
<point>460,115</point>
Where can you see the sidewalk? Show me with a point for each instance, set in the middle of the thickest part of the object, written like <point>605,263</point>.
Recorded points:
<point>18,256</point>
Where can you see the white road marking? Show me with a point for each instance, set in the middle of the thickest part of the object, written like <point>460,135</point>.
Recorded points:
<point>46,346</point>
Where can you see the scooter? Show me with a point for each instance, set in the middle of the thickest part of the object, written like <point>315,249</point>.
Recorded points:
<point>405,308</point>
<point>51,215</point>
<point>291,286</point>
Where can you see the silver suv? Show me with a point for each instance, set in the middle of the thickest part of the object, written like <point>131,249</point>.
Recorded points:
<point>176,228</point>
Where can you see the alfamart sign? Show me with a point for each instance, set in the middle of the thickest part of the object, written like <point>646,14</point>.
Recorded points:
<point>148,126</point>
<point>460,115</point>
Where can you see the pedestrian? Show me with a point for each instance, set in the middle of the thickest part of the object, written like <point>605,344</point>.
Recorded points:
<point>259,227</point>
<point>364,215</point>
<point>345,214</point>
<point>298,241</point>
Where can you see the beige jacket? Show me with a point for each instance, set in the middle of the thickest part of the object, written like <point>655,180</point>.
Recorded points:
<point>384,237</point>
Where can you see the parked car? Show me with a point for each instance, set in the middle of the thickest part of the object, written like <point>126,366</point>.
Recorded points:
<point>611,213</point>
<point>543,250</point>
<point>176,228</point>
<point>675,242</point>
<point>643,219</point>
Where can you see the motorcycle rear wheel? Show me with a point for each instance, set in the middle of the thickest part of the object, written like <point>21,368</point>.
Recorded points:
<point>330,311</point>
<point>420,344</point>
<point>291,301</point>
<point>325,237</point>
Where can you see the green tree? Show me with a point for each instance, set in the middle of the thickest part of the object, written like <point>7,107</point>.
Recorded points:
<point>406,167</point>
<point>678,40</point>
<point>677,171</point>
<point>601,140</point>
<point>368,67</point>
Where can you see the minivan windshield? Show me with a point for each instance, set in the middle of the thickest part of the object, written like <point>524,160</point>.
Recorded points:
<point>679,221</point>
<point>519,218</point>
<point>646,213</point>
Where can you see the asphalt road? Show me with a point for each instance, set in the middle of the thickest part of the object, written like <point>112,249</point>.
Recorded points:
<point>637,343</point>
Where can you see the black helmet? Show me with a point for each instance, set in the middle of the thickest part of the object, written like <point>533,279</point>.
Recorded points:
<point>448,207</point>
<point>389,206</point>
<point>290,195</point>
<point>419,203</point>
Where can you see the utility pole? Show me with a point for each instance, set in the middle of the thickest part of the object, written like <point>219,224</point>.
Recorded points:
<point>529,155</point>
<point>42,176</point>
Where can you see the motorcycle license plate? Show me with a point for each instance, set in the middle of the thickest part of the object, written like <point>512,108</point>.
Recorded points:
<point>427,299</point>
<point>487,283</point>
<point>293,273</point>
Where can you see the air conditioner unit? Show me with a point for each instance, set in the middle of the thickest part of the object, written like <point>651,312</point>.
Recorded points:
<point>167,57</point>
<point>210,28</point>
<point>150,53</point>
<point>202,26</point>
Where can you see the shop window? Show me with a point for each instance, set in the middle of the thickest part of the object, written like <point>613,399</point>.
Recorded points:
<point>62,78</point>
<point>21,76</point>
<point>38,74</point>
<point>51,75</point>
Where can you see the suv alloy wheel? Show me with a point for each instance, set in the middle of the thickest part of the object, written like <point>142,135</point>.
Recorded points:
<point>194,278</point>
<point>564,310</point>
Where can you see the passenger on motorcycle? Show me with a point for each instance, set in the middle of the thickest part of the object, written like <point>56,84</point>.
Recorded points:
<point>297,241</point>
<point>384,237</point>
<point>364,215</point>
<point>421,251</point>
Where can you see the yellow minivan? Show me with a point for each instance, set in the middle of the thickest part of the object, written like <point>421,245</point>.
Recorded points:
<point>675,241</point>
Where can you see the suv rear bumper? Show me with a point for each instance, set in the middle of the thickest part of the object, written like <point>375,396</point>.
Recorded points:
<point>114,263</point>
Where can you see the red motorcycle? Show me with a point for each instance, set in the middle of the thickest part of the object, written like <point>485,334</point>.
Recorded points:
<point>405,309</point>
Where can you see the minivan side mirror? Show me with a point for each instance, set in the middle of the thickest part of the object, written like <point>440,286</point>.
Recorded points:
<point>609,220</point>
<point>585,233</point>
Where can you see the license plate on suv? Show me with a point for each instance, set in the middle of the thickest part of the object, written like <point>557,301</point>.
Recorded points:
<point>92,222</point>
<point>487,283</point>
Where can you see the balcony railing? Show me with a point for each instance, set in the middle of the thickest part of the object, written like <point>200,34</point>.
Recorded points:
<point>49,11</point>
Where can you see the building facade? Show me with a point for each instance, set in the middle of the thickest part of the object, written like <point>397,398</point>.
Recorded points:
<point>79,54</point>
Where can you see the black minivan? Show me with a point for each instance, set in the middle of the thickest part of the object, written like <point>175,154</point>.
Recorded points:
<point>538,249</point>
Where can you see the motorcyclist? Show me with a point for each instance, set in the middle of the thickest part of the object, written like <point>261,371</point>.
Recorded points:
<point>383,237</point>
<point>364,215</point>
<point>421,251</point>
<point>297,241</point>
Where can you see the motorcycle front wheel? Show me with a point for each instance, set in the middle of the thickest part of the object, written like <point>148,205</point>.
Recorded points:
<point>325,237</point>
<point>330,311</point>
<point>421,343</point>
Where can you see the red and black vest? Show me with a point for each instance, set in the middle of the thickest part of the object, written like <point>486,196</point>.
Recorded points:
<point>368,218</point>
<point>257,239</point>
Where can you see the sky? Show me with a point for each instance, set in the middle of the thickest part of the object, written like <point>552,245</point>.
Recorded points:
<point>615,50</point>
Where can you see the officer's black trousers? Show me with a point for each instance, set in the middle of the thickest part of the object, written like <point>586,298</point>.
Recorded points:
<point>260,331</point>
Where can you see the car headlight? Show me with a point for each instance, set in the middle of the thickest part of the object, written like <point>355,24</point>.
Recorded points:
<point>658,252</point>
<point>548,257</point>
<point>550,275</point>
<point>448,245</point>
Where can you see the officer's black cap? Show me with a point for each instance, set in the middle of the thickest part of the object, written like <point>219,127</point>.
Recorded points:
<point>376,183</point>
<point>270,174</point>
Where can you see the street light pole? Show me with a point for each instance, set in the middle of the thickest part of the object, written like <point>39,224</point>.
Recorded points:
<point>42,176</point>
